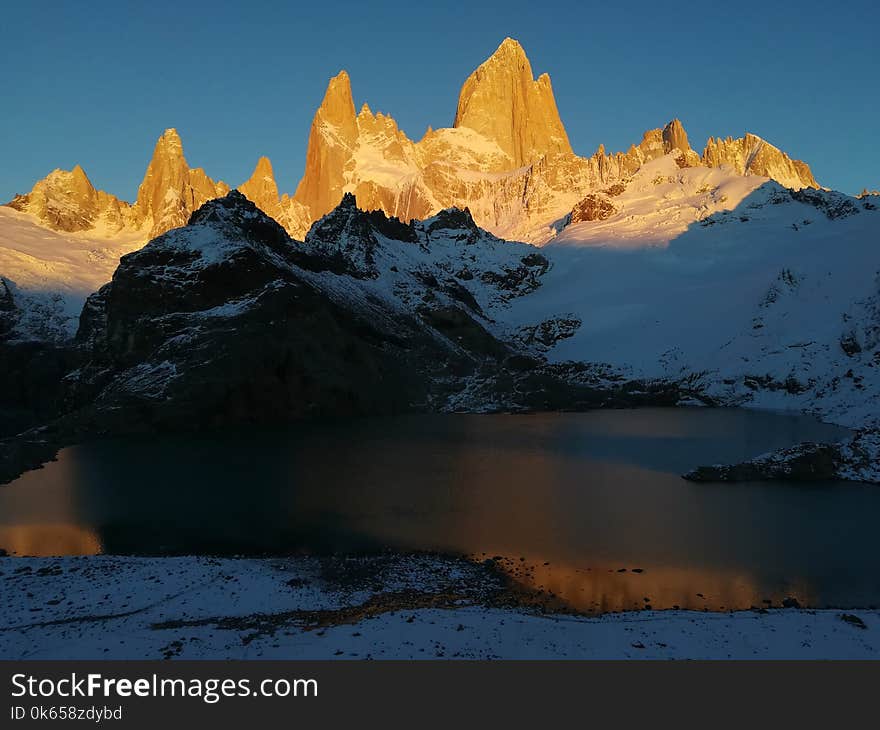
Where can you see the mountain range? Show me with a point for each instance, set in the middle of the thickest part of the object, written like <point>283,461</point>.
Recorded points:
<point>507,158</point>
<point>485,267</point>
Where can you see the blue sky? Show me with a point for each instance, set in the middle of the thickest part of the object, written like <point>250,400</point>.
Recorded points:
<point>96,83</point>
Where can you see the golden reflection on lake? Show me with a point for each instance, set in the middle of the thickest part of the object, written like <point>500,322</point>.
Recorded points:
<point>603,587</point>
<point>49,540</point>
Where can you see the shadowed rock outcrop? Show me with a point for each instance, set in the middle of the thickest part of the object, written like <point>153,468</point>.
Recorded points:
<point>227,321</point>
<point>854,459</point>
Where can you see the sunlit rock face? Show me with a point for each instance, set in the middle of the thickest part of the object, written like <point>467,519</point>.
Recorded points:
<point>751,155</point>
<point>332,140</point>
<point>67,201</point>
<point>503,102</point>
<point>261,188</point>
<point>167,196</point>
<point>170,190</point>
<point>593,208</point>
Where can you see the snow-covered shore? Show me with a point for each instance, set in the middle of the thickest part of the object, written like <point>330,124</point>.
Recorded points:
<point>106,607</point>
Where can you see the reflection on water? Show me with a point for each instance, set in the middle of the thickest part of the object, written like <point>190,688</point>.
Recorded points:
<point>607,587</point>
<point>49,539</point>
<point>586,493</point>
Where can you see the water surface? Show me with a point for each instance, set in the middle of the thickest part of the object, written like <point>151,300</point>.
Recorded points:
<point>588,506</point>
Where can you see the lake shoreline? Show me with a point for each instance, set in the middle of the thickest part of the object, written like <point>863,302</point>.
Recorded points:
<point>415,606</point>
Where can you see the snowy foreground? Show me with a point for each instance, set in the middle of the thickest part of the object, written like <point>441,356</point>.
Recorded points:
<point>395,607</point>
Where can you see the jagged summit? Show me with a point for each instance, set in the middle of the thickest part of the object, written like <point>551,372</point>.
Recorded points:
<point>509,48</point>
<point>675,138</point>
<point>67,201</point>
<point>505,121</point>
<point>170,140</point>
<point>171,190</point>
<point>261,187</point>
<point>348,202</point>
<point>751,155</point>
<point>332,138</point>
<point>507,156</point>
<point>351,232</point>
<point>502,101</point>
<point>238,217</point>
<point>224,208</point>
<point>337,107</point>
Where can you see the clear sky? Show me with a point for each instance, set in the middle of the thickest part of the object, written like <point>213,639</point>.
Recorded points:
<point>96,82</point>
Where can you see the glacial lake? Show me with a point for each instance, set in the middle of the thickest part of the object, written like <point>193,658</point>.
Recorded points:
<point>590,506</point>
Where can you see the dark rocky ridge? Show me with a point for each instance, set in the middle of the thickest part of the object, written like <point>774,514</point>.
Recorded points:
<point>231,323</point>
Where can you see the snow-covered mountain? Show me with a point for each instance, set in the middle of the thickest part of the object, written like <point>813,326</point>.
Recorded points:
<point>658,275</point>
<point>759,294</point>
<point>507,159</point>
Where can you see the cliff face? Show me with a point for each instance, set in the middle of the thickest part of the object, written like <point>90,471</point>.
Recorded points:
<point>503,102</point>
<point>332,140</point>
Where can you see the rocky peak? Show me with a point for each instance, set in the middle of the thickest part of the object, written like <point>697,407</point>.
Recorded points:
<point>455,219</point>
<point>347,216</point>
<point>170,190</point>
<point>751,155</point>
<point>73,184</point>
<point>353,235</point>
<point>230,208</point>
<point>337,107</point>
<point>332,138</point>
<point>66,200</point>
<point>166,170</point>
<point>348,203</point>
<point>261,187</point>
<point>345,233</point>
<point>239,217</point>
<point>503,102</point>
<point>675,138</point>
<point>80,180</point>
<point>507,157</point>
<point>169,145</point>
